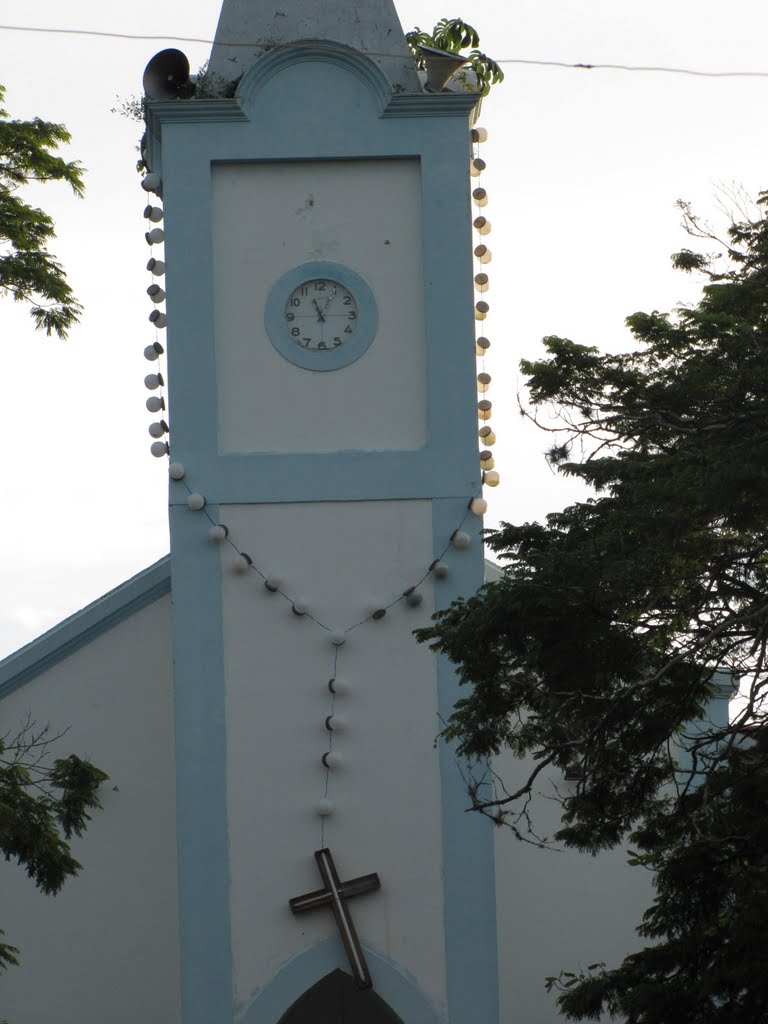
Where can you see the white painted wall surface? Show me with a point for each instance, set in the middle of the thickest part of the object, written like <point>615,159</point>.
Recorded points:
<point>340,558</point>
<point>557,910</point>
<point>105,948</point>
<point>268,218</point>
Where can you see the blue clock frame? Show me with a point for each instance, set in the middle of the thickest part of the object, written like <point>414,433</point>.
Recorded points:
<point>329,359</point>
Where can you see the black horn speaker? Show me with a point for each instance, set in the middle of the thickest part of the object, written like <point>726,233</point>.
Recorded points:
<point>166,77</point>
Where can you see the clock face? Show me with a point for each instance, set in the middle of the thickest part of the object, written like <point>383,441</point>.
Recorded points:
<point>321,315</point>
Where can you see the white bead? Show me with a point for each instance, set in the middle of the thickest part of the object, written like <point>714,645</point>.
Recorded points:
<point>299,607</point>
<point>324,807</point>
<point>176,471</point>
<point>218,533</point>
<point>333,760</point>
<point>157,318</point>
<point>338,685</point>
<point>156,293</point>
<point>156,429</point>
<point>413,597</point>
<point>151,353</point>
<point>151,182</point>
<point>335,723</point>
<point>273,584</point>
<point>159,449</point>
<point>196,502</point>
<point>337,637</point>
<point>157,267</point>
<point>439,569</point>
<point>155,404</point>
<point>478,506</point>
<point>461,540</point>
<point>153,381</point>
<point>155,236</point>
<point>153,213</point>
<point>241,565</point>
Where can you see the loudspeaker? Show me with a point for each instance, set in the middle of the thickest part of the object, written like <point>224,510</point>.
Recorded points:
<point>166,77</point>
<point>440,65</point>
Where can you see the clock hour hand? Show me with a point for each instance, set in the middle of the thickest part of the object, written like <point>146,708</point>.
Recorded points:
<point>320,312</point>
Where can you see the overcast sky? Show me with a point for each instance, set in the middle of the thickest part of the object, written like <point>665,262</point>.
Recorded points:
<point>584,168</point>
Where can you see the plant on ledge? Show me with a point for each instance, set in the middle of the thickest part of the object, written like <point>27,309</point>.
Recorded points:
<point>454,35</point>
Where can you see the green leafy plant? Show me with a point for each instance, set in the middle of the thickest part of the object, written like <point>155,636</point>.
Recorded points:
<point>28,272</point>
<point>44,804</point>
<point>454,35</point>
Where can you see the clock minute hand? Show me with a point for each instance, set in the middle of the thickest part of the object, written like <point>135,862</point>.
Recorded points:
<point>320,312</point>
<point>328,300</point>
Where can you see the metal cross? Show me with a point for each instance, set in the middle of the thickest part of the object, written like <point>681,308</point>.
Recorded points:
<point>334,895</point>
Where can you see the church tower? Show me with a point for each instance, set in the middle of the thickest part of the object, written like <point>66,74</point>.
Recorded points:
<point>323,449</point>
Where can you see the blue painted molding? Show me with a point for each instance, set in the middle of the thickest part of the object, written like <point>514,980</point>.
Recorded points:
<point>316,51</point>
<point>202,830</point>
<point>84,626</point>
<point>396,987</point>
<point>339,476</point>
<point>461,103</point>
<point>469,879</point>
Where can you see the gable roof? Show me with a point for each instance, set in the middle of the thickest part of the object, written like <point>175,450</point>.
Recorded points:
<point>87,624</point>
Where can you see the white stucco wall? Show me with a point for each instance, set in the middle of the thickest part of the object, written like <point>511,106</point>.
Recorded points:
<point>268,218</point>
<point>557,909</point>
<point>105,948</point>
<point>340,558</point>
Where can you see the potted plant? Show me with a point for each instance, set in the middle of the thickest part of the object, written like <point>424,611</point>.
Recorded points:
<point>446,40</point>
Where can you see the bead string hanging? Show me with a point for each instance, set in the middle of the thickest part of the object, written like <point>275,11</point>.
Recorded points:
<point>411,596</point>
<point>155,382</point>
<point>483,256</point>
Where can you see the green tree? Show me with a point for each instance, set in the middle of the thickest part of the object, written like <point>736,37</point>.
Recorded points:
<point>28,272</point>
<point>596,653</point>
<point>44,803</point>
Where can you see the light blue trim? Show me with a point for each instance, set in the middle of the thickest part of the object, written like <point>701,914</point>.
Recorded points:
<point>469,881</point>
<point>399,990</point>
<point>367,316</point>
<point>338,476</point>
<point>315,51</point>
<point>201,772</point>
<point>84,626</point>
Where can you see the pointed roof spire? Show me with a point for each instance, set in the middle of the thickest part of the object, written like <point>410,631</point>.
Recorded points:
<point>371,26</point>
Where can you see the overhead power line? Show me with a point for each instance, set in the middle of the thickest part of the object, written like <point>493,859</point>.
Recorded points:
<point>578,66</point>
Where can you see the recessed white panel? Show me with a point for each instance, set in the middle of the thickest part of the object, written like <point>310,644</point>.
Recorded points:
<point>271,217</point>
<point>342,559</point>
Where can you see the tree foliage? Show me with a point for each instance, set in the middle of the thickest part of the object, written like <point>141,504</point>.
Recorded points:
<point>28,271</point>
<point>598,651</point>
<point>44,803</point>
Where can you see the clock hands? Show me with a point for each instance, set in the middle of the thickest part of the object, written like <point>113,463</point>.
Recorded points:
<point>320,312</point>
<point>328,300</point>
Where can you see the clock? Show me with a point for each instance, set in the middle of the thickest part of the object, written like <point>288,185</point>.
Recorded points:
<point>321,315</point>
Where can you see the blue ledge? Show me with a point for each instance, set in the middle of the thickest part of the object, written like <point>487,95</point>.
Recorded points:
<point>82,627</point>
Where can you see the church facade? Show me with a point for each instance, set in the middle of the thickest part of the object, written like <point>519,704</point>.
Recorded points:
<point>282,839</point>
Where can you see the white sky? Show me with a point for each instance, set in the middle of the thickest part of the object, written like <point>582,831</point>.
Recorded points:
<point>584,168</point>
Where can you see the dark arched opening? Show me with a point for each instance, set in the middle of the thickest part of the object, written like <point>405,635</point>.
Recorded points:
<point>335,999</point>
